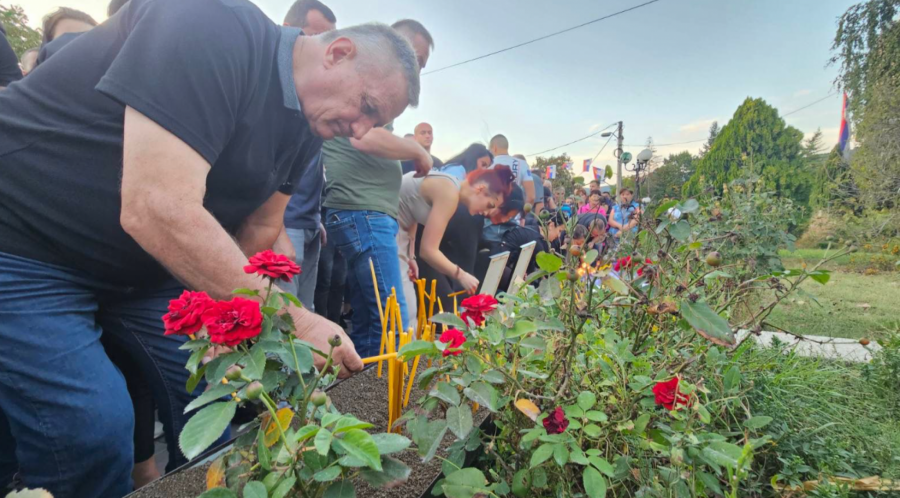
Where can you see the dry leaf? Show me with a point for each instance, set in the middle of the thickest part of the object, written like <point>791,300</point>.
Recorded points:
<point>528,408</point>
<point>215,476</point>
<point>285,415</point>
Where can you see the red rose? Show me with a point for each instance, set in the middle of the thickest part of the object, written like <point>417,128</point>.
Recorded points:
<point>476,306</point>
<point>640,271</point>
<point>667,394</point>
<point>269,264</point>
<point>230,322</point>
<point>184,316</point>
<point>556,422</point>
<point>622,263</point>
<point>454,338</point>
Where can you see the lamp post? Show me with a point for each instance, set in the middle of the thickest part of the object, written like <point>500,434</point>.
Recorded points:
<point>619,144</point>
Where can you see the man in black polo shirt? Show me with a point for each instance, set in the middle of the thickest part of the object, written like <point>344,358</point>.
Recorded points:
<point>9,64</point>
<point>155,155</point>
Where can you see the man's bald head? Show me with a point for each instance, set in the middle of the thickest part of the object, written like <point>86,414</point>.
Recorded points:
<point>312,16</point>
<point>499,145</point>
<point>424,135</point>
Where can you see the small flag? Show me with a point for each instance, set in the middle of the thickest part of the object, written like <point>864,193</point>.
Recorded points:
<point>567,166</point>
<point>844,136</point>
<point>598,173</point>
<point>587,165</point>
<point>551,172</point>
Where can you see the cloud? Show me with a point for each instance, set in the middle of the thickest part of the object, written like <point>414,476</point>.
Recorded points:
<point>802,93</point>
<point>594,127</point>
<point>697,126</point>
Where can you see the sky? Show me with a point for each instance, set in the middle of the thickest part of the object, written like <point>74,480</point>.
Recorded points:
<point>667,70</point>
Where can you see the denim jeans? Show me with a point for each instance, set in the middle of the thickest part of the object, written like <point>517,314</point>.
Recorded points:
<point>361,236</point>
<point>330,282</point>
<point>66,420</point>
<point>306,245</point>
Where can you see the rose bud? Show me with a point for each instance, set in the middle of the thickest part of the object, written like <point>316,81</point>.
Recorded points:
<point>572,275</point>
<point>254,389</point>
<point>334,341</point>
<point>527,208</point>
<point>234,372</point>
<point>318,398</point>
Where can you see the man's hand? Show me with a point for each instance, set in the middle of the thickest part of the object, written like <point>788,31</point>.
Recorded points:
<point>382,143</point>
<point>317,330</point>
<point>323,235</point>
<point>423,164</point>
<point>283,245</point>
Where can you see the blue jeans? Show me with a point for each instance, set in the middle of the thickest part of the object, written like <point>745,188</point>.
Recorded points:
<point>306,245</point>
<point>360,236</point>
<point>66,420</point>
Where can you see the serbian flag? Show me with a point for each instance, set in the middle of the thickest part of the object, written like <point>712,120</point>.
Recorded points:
<point>551,172</point>
<point>844,136</point>
<point>567,166</point>
<point>587,165</point>
<point>598,173</point>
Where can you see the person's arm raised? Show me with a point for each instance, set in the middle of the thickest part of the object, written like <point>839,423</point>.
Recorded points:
<point>382,143</point>
<point>163,185</point>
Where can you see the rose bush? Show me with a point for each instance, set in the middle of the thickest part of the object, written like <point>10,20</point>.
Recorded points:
<point>608,373</point>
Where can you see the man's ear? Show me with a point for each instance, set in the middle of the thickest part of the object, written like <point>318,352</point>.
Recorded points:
<point>340,50</point>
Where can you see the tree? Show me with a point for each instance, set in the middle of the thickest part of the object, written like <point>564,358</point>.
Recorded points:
<point>876,163</point>
<point>833,185</point>
<point>713,133</point>
<point>812,147</point>
<point>867,46</point>
<point>756,142</point>
<point>21,37</point>
<point>668,179</point>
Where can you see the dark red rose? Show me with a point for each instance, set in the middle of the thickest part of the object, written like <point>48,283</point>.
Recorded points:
<point>184,316</point>
<point>476,317</point>
<point>476,306</point>
<point>667,394</point>
<point>230,322</point>
<point>269,264</point>
<point>622,263</point>
<point>454,338</point>
<point>556,422</point>
<point>640,271</point>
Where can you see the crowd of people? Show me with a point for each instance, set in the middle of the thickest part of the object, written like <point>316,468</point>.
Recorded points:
<point>156,151</point>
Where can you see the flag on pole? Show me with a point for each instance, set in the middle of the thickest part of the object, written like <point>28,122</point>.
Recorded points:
<point>587,165</point>
<point>598,173</point>
<point>844,136</point>
<point>551,172</point>
<point>567,166</point>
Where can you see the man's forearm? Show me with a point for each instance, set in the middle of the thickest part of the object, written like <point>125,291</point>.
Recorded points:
<point>192,245</point>
<point>382,143</point>
<point>253,238</point>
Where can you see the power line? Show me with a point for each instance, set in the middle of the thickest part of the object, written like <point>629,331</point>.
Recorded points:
<point>540,38</point>
<point>576,141</point>
<point>601,149</point>
<point>810,105</point>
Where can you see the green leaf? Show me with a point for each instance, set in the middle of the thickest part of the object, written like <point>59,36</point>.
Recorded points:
<point>390,443</point>
<point>732,378</point>
<point>711,482</point>
<point>465,483</point>
<point>722,453</point>
<point>210,395</point>
<point>287,297</point>
<point>445,392</point>
<point>194,344</point>
<point>459,420</point>
<point>255,363</point>
<point>255,489</point>
<point>416,348</point>
<point>641,423</point>
<point>219,493</point>
<point>215,369</point>
<point>393,473</point>
<point>602,465</point>
<point>703,413</point>
<point>596,416</point>
<point>689,206</point>
<point>340,489</point>
<point>327,474</point>
<point>707,323</point>
<point>757,422</point>
<point>484,395</point>
<point>541,455</point>
<point>262,451</point>
<point>592,430</point>
<point>306,432</point>
<point>282,489</point>
<point>532,343</point>
<point>359,443</point>
<point>548,262</point>
<point>663,208</point>
<point>521,484</point>
<point>449,319</point>
<point>493,376</point>
<point>586,400</point>
<point>520,328</point>
<point>821,276</point>
<point>245,292</point>
<point>552,323</point>
<point>427,436</point>
<point>323,441</point>
<point>615,285</point>
<point>347,422</point>
<point>594,483</point>
<point>560,454</point>
<point>194,380</point>
<point>205,427</point>
<point>680,231</point>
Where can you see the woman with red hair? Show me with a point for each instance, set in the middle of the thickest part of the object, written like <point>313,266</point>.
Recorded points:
<point>431,201</point>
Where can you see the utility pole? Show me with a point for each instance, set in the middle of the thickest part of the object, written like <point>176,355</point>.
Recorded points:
<point>620,144</point>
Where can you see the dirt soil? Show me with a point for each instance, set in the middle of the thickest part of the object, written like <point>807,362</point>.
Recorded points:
<point>365,397</point>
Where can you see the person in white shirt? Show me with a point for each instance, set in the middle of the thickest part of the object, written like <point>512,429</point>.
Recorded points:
<point>499,147</point>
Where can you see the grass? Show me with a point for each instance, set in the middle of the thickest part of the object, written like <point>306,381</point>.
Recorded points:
<point>851,305</point>
<point>861,261</point>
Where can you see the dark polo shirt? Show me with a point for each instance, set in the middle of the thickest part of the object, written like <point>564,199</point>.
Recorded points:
<point>215,73</point>
<point>9,64</point>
